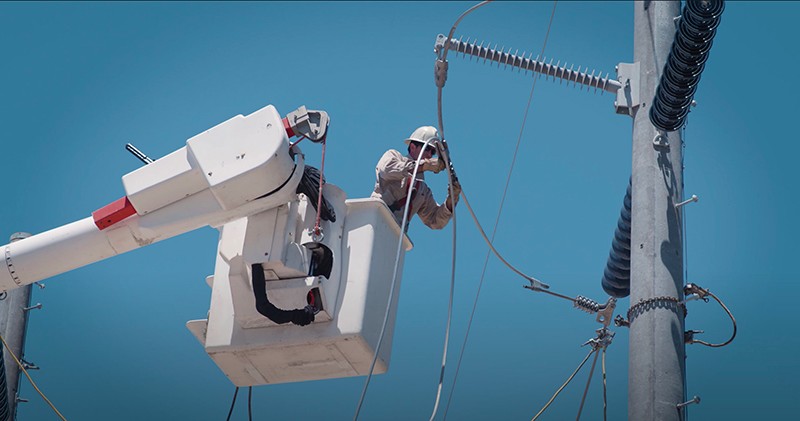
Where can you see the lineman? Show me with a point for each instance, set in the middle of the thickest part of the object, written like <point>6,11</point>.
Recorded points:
<point>393,178</point>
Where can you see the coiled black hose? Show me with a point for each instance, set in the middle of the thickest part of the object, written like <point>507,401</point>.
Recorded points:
<point>616,280</point>
<point>309,186</point>
<point>693,39</point>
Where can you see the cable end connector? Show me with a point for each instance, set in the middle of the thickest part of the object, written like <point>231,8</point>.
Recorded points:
<point>697,290</point>
<point>440,72</point>
<point>536,285</point>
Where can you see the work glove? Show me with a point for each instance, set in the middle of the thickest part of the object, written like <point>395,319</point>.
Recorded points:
<point>434,165</point>
<point>456,191</point>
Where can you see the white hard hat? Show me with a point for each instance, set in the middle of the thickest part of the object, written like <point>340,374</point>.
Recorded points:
<point>424,134</point>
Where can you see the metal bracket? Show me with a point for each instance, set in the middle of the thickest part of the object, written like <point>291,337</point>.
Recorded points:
<point>603,339</point>
<point>606,312</point>
<point>661,141</point>
<point>29,365</point>
<point>628,96</point>
<point>312,124</point>
<point>688,336</point>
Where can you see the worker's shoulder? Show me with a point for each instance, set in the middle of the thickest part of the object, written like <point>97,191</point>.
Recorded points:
<point>393,154</point>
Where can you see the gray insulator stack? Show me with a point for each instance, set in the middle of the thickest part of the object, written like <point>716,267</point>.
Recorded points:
<point>616,280</point>
<point>693,38</point>
<point>535,65</point>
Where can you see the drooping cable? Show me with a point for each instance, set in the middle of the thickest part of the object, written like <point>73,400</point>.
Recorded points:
<point>394,280</point>
<point>603,364</point>
<point>539,284</point>
<point>33,383</point>
<point>588,382</point>
<point>733,319</point>
<point>233,403</point>
<point>497,218</point>
<point>535,417</point>
<point>445,154</point>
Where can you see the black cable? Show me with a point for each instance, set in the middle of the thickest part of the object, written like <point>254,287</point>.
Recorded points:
<point>250,404</point>
<point>230,411</point>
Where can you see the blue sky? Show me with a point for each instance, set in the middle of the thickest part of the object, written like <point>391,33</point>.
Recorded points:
<point>79,80</point>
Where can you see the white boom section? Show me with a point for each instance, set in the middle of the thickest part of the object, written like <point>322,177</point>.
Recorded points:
<point>235,169</point>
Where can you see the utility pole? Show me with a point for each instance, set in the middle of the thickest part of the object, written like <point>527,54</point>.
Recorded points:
<point>14,306</point>
<point>656,367</point>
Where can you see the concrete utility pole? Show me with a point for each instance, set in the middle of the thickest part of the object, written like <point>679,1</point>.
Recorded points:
<point>656,367</point>
<point>14,306</point>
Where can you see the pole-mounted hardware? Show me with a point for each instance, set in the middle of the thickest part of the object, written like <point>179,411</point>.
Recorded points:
<point>695,399</point>
<point>616,280</point>
<point>604,311</point>
<point>694,290</point>
<point>28,365</point>
<point>34,307</point>
<point>602,340</point>
<point>626,87</point>
<point>694,198</point>
<point>693,39</point>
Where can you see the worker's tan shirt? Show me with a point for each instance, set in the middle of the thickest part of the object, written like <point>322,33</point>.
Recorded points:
<point>392,175</point>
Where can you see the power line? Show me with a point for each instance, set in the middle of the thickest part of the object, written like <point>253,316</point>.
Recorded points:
<point>497,219</point>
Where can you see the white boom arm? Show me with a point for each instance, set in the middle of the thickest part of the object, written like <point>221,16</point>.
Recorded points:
<point>238,168</point>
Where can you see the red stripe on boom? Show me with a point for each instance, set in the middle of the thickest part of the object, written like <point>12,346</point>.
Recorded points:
<point>113,212</point>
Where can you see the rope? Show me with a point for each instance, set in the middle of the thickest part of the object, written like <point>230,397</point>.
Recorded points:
<point>22,367</point>
<point>317,229</point>
<point>588,382</point>
<point>233,402</point>
<point>391,289</point>
<point>497,218</point>
<point>562,386</point>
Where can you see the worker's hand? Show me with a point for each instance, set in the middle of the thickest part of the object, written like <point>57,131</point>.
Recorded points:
<point>453,192</point>
<point>434,165</point>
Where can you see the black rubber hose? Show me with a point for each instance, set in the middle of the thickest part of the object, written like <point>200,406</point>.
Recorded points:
<point>309,186</point>
<point>300,317</point>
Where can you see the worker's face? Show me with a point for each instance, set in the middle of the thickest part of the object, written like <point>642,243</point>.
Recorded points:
<point>415,148</point>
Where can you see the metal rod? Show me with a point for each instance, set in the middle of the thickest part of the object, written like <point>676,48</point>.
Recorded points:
<point>139,154</point>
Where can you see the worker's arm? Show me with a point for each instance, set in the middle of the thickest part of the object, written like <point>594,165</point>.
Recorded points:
<point>432,214</point>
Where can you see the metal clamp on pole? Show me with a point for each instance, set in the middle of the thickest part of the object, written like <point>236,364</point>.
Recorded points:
<point>310,124</point>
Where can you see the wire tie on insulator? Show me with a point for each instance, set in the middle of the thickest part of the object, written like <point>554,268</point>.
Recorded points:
<point>695,399</point>
<point>694,198</point>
